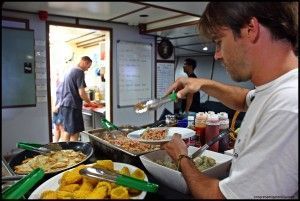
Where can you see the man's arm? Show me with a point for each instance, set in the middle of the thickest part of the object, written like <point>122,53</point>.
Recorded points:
<point>189,101</point>
<point>200,185</point>
<point>83,95</point>
<point>231,96</point>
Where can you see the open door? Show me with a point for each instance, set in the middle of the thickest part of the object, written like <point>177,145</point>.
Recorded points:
<point>67,44</point>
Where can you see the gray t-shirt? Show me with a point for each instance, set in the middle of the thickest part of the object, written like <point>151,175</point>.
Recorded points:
<point>72,82</point>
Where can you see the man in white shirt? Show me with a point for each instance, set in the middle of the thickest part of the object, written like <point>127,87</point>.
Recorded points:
<point>255,41</point>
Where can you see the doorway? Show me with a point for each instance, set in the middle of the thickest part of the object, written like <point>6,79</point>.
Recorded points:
<point>66,45</point>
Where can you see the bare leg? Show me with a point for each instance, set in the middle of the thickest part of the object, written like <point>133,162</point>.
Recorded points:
<point>61,131</point>
<point>74,137</point>
<point>65,136</point>
<point>56,132</point>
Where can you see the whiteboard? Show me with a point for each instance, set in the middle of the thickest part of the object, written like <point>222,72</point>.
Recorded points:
<point>134,64</point>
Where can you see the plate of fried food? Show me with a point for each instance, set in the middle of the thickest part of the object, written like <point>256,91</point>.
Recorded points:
<point>159,135</point>
<point>71,155</point>
<point>71,184</point>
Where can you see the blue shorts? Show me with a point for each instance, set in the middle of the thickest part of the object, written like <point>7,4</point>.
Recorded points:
<point>57,118</point>
<point>73,120</point>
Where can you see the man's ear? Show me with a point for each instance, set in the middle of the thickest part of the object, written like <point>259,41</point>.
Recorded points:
<point>253,29</point>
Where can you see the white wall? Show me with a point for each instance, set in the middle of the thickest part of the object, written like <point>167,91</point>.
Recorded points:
<point>31,124</point>
<point>204,70</point>
<point>127,115</point>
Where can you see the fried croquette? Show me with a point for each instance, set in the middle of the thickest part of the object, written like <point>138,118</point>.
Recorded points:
<point>80,194</point>
<point>70,178</point>
<point>70,188</point>
<point>105,183</point>
<point>106,164</point>
<point>64,195</point>
<point>98,193</point>
<point>49,195</point>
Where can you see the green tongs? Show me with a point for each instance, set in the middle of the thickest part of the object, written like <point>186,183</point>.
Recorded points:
<point>154,104</point>
<point>131,182</point>
<point>108,125</point>
<point>19,189</point>
<point>40,148</point>
<point>111,128</point>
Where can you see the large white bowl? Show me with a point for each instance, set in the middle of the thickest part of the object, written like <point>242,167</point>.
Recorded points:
<point>174,178</point>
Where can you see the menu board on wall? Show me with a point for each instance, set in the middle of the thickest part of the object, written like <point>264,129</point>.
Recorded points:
<point>165,77</point>
<point>134,63</point>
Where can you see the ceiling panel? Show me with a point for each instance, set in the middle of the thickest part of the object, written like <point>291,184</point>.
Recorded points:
<point>196,8</point>
<point>189,40</point>
<point>179,31</point>
<point>210,47</point>
<point>92,10</point>
<point>75,36</point>
<point>188,52</point>
<point>154,14</point>
<point>171,22</point>
<point>172,28</point>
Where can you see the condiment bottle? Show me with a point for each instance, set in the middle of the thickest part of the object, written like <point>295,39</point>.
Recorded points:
<point>191,125</point>
<point>224,125</point>
<point>200,125</point>
<point>212,130</point>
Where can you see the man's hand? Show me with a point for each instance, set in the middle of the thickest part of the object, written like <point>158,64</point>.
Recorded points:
<point>184,86</point>
<point>175,147</point>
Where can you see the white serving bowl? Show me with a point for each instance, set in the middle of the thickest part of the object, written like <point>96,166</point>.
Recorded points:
<point>173,178</point>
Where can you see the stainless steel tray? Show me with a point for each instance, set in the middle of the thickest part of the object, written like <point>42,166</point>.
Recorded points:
<point>96,138</point>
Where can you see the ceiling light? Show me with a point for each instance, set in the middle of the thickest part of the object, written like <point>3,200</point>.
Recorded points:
<point>205,48</point>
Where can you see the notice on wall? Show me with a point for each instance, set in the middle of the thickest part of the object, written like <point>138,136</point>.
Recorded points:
<point>134,63</point>
<point>165,77</point>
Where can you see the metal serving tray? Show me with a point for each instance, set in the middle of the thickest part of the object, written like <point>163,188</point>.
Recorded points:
<point>106,150</point>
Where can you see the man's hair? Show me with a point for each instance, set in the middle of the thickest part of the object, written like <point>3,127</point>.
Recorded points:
<point>86,58</point>
<point>281,18</point>
<point>190,62</point>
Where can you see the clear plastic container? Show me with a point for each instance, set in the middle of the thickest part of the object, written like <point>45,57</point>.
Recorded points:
<point>200,125</point>
<point>224,125</point>
<point>212,130</point>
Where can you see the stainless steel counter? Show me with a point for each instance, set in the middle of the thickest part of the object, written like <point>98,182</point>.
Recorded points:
<point>91,119</point>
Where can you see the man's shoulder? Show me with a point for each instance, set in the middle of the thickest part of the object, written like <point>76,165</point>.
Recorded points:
<point>75,71</point>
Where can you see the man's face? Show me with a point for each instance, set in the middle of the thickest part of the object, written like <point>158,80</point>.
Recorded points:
<point>232,52</point>
<point>87,65</point>
<point>185,68</point>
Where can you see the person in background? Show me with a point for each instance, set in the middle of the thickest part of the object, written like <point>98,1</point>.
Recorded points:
<point>57,119</point>
<point>192,102</point>
<point>73,93</point>
<point>255,41</point>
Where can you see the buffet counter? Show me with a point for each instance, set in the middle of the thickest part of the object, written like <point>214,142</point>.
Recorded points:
<point>91,117</point>
<point>164,192</point>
